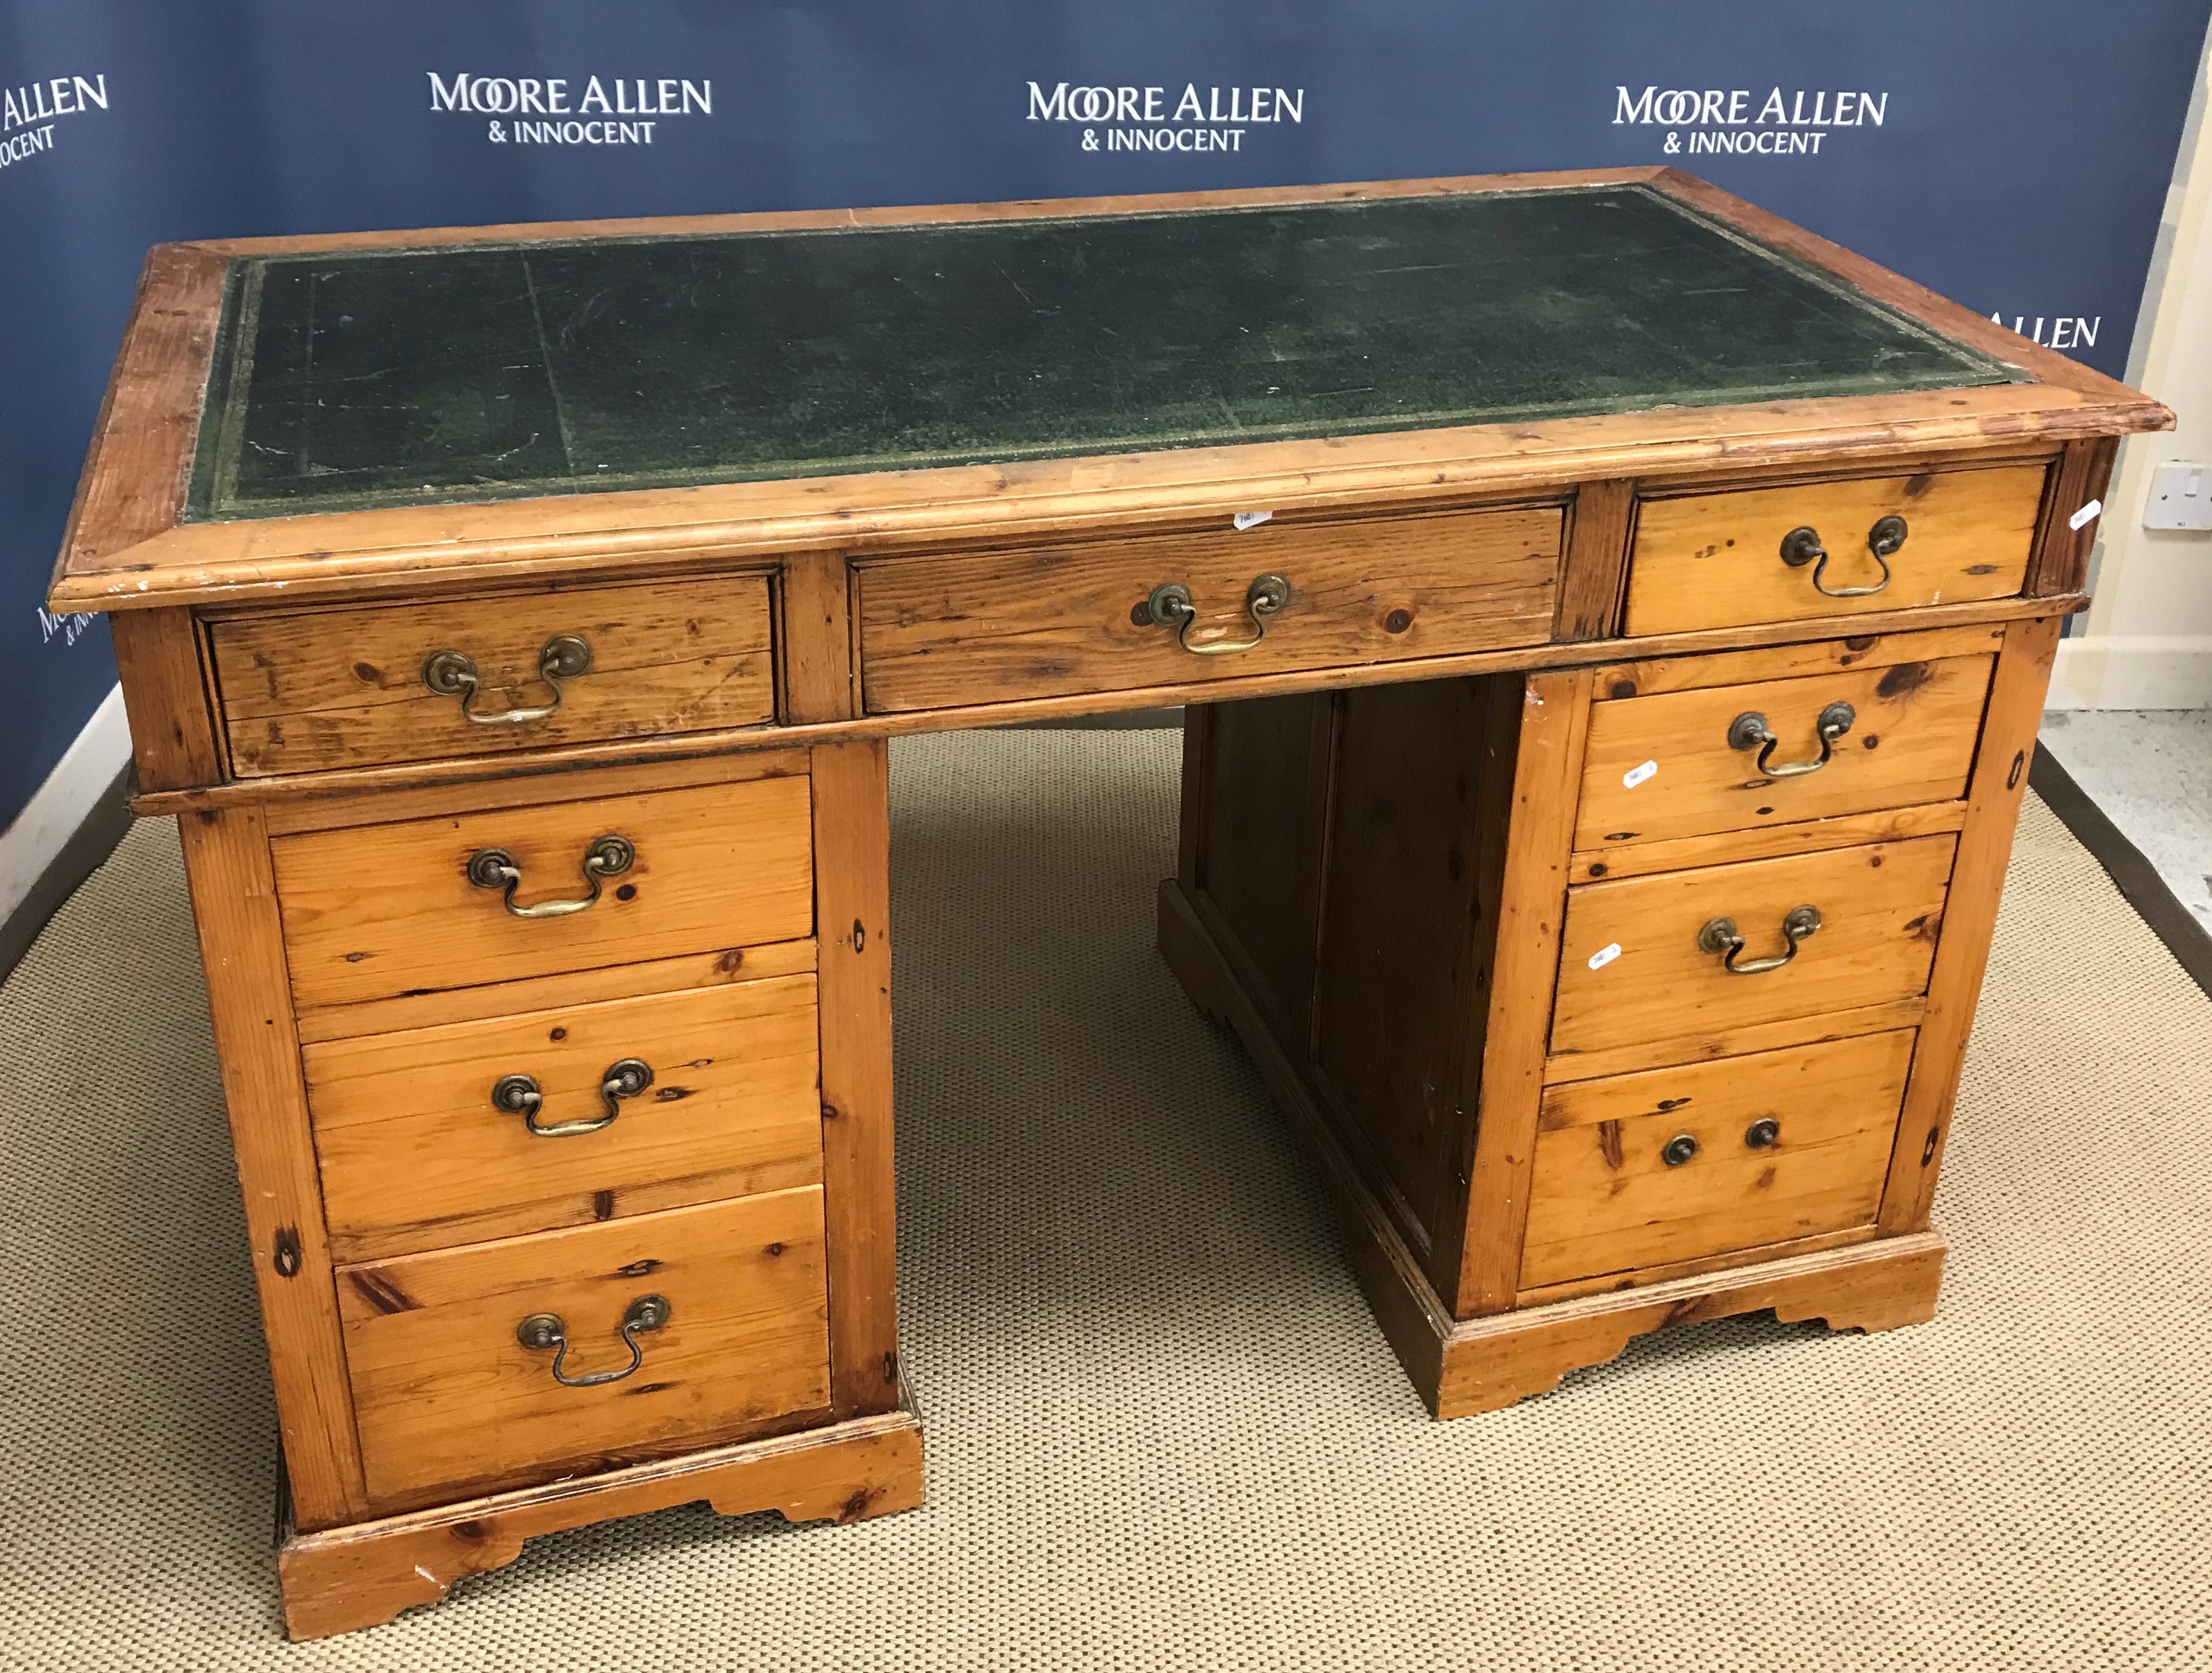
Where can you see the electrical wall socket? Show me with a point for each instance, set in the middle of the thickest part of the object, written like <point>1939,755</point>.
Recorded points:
<point>2180,496</point>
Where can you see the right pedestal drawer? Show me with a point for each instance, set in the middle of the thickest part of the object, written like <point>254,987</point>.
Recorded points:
<point>1726,758</point>
<point>1723,947</point>
<point>1676,1165</point>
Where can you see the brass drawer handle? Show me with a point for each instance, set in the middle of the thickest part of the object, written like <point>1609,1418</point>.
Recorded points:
<point>1749,731</point>
<point>1801,546</point>
<point>1679,1150</point>
<point>451,674</point>
<point>1170,606</point>
<point>542,1330</point>
<point>1763,1134</point>
<point>520,1094</point>
<point>1719,935</point>
<point>495,868</point>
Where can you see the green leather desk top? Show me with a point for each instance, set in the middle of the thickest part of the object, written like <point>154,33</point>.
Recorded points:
<point>364,378</point>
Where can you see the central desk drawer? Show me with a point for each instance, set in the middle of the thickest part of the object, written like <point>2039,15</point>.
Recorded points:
<point>447,1392</point>
<point>315,689</point>
<point>372,911</point>
<point>561,1117</point>
<point>1643,959</point>
<point>957,629</point>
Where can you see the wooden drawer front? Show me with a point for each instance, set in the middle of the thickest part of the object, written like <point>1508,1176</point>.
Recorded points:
<point>1604,1198</point>
<point>1880,908</point>
<point>346,687</point>
<point>378,910</point>
<point>444,1392</point>
<point>1663,766</point>
<point>1714,559</point>
<point>994,627</point>
<point>416,1154</point>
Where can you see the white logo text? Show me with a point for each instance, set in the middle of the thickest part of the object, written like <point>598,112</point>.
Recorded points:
<point>28,113</point>
<point>2057,330</point>
<point>1140,118</point>
<point>589,111</point>
<point>1725,119</point>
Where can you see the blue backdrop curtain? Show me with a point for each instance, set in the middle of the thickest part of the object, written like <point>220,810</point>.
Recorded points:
<point>2012,154</point>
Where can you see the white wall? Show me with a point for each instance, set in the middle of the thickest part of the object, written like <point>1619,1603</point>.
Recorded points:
<point>2146,642</point>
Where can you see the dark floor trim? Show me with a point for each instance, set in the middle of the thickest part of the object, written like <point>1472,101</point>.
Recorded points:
<point>2137,879</point>
<point>84,853</point>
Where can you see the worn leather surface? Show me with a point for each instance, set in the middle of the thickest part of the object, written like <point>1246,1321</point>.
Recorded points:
<point>375,379</point>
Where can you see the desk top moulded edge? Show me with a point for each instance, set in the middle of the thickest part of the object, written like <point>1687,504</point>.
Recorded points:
<point>127,547</point>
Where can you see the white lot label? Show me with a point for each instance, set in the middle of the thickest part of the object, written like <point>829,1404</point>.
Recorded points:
<point>1605,955</point>
<point>2085,514</point>
<point>1636,775</point>
<point>1245,520</point>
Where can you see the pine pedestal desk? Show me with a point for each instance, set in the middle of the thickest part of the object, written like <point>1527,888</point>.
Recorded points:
<point>1613,623</point>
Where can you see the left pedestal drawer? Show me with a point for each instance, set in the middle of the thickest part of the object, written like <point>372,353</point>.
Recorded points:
<point>503,1363</point>
<point>375,912</point>
<point>565,1116</point>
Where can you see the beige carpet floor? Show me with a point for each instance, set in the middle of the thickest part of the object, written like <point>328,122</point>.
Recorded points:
<point>1164,1432</point>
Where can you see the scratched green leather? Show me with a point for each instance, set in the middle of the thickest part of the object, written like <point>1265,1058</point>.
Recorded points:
<point>379,379</point>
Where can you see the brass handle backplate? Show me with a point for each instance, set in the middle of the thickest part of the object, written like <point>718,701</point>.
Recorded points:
<point>542,1330</point>
<point>1719,935</point>
<point>1749,731</point>
<point>520,1094</point>
<point>1170,606</point>
<point>495,868</point>
<point>453,674</point>
<point>1801,546</point>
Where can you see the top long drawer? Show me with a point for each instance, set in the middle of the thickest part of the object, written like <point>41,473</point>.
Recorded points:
<point>1748,555</point>
<point>952,629</point>
<point>312,690</point>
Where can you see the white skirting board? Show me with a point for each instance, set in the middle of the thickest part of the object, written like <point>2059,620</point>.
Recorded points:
<point>2095,671</point>
<point>63,802</point>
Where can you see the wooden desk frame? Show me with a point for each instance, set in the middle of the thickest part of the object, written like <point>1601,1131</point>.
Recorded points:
<point>1469,1337</point>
